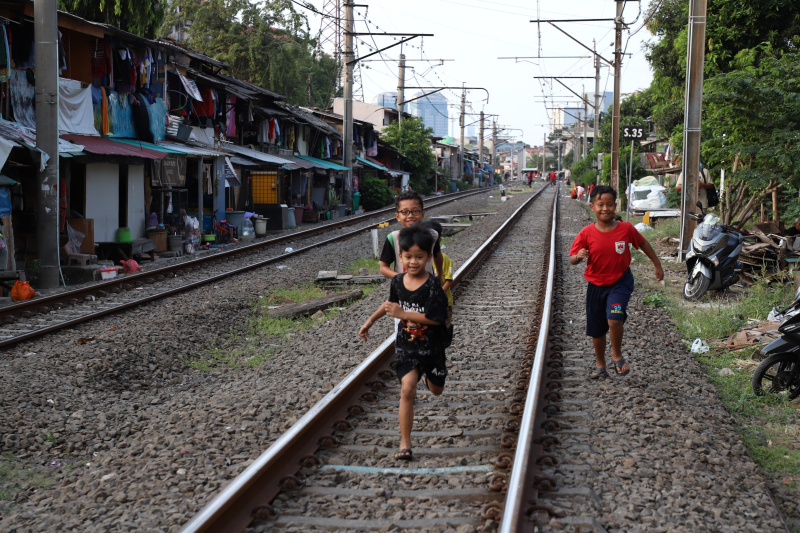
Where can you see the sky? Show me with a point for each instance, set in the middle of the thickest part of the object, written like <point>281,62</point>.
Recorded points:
<point>475,33</point>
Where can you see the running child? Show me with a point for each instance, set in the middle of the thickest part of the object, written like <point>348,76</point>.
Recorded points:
<point>408,211</point>
<point>604,245</point>
<point>417,299</point>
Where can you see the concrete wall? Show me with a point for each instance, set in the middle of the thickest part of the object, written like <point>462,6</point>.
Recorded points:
<point>102,199</point>
<point>136,214</point>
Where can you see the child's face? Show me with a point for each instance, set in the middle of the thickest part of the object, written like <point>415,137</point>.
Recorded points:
<point>409,212</point>
<point>414,260</point>
<point>603,206</point>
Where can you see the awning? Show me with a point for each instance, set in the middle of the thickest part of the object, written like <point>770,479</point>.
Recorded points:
<point>297,163</point>
<point>371,164</point>
<point>242,161</point>
<point>104,146</point>
<point>5,180</point>
<point>255,154</point>
<point>398,173</point>
<point>321,163</point>
<point>150,146</point>
<point>231,180</point>
<point>191,149</point>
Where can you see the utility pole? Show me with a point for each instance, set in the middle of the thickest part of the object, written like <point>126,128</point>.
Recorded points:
<point>585,125</point>
<point>401,83</point>
<point>461,123</point>
<point>480,154</point>
<point>544,152</point>
<point>615,113</point>
<point>46,97</point>
<point>347,130</point>
<point>596,97</point>
<point>576,146</point>
<point>494,149</point>
<point>695,58</point>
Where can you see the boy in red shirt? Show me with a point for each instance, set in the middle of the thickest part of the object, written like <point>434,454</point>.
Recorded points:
<point>604,245</point>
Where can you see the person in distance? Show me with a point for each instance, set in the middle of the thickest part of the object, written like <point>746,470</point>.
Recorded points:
<point>605,246</point>
<point>417,300</point>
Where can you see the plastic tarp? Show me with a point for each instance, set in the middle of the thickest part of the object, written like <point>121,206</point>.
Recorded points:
<point>647,180</point>
<point>321,163</point>
<point>75,111</point>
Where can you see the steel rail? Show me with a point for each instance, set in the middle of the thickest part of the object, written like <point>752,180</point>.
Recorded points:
<point>249,494</point>
<point>43,303</point>
<point>514,517</point>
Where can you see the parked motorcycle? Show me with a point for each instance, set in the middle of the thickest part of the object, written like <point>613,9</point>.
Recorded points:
<point>779,372</point>
<point>712,261</point>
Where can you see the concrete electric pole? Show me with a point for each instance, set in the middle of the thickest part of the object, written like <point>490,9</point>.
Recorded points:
<point>615,113</point>
<point>347,130</point>
<point>494,149</point>
<point>461,124</point>
<point>401,83</point>
<point>46,96</point>
<point>480,154</point>
<point>695,58</point>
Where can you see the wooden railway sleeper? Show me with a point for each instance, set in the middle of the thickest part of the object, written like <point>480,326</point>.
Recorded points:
<point>264,512</point>
<point>355,410</point>
<point>309,461</point>
<point>328,441</point>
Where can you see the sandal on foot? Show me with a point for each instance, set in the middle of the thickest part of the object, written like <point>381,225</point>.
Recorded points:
<point>404,455</point>
<point>424,379</point>
<point>618,367</point>
<point>599,373</point>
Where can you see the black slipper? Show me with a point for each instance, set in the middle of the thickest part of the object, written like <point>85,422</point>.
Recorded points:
<point>618,367</point>
<point>599,373</point>
<point>404,455</point>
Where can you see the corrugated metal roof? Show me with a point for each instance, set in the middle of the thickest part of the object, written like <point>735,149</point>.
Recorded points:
<point>103,146</point>
<point>321,163</point>
<point>134,142</point>
<point>191,149</point>
<point>255,154</point>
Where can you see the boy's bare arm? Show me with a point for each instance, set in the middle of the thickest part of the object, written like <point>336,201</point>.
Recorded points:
<point>396,311</point>
<point>447,284</point>
<point>364,331</point>
<point>582,254</point>
<point>387,271</point>
<point>438,263</point>
<point>649,252</point>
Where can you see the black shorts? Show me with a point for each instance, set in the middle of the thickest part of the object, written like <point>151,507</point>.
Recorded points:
<point>610,302</point>
<point>434,368</point>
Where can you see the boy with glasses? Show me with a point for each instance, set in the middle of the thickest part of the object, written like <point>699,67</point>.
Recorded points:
<point>408,212</point>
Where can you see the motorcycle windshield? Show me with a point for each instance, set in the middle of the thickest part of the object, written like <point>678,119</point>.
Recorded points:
<point>708,232</point>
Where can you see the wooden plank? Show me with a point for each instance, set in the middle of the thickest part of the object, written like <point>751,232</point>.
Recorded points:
<point>317,304</point>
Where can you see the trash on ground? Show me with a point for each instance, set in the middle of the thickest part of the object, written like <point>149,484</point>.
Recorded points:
<point>699,346</point>
<point>288,250</point>
<point>641,226</point>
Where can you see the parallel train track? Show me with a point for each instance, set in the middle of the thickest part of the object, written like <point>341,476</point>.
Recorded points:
<point>478,447</point>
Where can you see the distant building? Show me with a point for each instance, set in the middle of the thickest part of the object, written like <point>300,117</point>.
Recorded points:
<point>388,100</point>
<point>432,109</point>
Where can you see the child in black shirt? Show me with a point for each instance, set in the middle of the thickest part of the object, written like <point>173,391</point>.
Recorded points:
<point>417,299</point>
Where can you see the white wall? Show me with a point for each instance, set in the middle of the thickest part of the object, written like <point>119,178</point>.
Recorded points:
<point>136,213</point>
<point>102,199</point>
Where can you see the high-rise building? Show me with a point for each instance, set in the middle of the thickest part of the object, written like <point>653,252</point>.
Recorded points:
<point>387,99</point>
<point>432,109</point>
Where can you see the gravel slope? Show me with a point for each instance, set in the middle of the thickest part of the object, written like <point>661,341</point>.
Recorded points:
<point>143,440</point>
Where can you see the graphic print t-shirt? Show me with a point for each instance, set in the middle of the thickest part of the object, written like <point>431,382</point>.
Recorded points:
<point>609,255</point>
<point>417,340</point>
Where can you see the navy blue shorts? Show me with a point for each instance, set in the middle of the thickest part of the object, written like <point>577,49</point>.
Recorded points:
<point>604,303</point>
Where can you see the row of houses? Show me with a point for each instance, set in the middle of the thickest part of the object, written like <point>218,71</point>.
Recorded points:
<point>150,130</point>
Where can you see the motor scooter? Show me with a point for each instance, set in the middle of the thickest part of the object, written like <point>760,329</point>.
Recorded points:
<point>712,261</point>
<point>779,372</point>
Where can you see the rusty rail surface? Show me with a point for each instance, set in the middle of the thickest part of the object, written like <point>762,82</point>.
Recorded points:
<point>248,496</point>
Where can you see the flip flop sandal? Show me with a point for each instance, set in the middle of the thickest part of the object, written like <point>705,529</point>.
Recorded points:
<point>599,373</point>
<point>618,367</point>
<point>424,379</point>
<point>404,455</point>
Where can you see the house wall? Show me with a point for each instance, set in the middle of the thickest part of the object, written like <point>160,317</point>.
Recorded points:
<point>102,199</point>
<point>136,214</point>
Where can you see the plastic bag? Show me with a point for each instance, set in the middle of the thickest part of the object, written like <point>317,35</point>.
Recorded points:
<point>130,266</point>
<point>21,291</point>
<point>698,346</point>
<point>656,199</point>
<point>641,226</point>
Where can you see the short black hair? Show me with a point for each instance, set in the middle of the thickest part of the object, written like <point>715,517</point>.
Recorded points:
<point>408,195</point>
<point>432,224</point>
<point>600,190</point>
<point>418,235</point>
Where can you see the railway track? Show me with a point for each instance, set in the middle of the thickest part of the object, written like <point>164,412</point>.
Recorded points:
<point>28,320</point>
<point>333,469</point>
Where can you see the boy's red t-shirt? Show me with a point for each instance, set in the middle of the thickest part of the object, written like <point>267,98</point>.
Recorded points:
<point>609,255</point>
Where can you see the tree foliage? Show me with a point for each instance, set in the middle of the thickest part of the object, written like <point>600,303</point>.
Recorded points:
<point>411,140</point>
<point>266,43</point>
<point>142,17</point>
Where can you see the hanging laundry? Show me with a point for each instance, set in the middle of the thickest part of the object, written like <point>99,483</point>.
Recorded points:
<point>100,108</point>
<point>205,108</point>
<point>119,110</point>
<point>158,119</point>
<point>141,119</point>
<point>5,57</point>
<point>290,137</point>
<point>101,59</point>
<point>62,55</point>
<point>327,147</point>
<point>123,64</point>
<point>230,106</point>
<point>75,112</point>
<point>22,98</point>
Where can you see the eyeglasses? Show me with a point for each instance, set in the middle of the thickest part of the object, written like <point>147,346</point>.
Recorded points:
<point>415,212</point>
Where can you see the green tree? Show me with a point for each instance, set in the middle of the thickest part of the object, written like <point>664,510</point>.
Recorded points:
<point>265,43</point>
<point>411,140</point>
<point>138,17</point>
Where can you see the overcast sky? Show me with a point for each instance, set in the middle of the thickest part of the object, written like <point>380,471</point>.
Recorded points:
<point>475,33</point>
